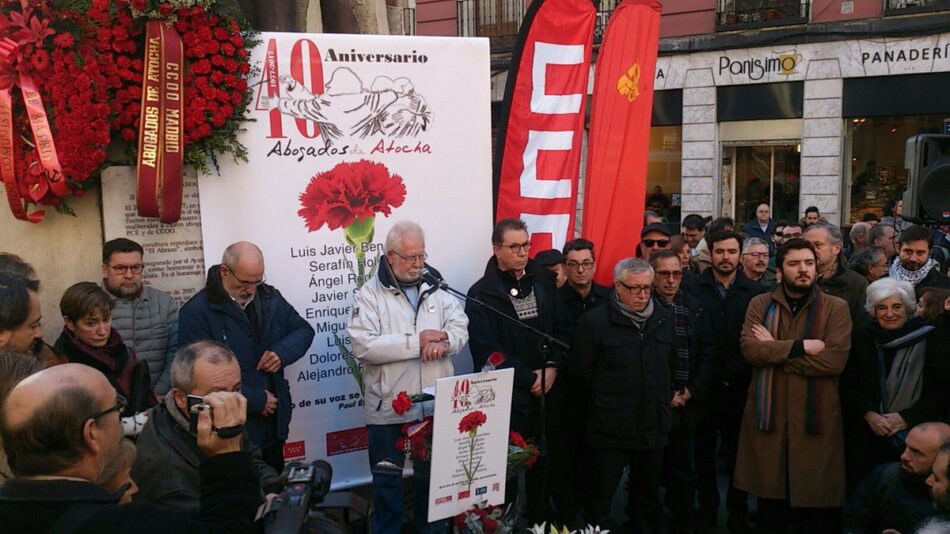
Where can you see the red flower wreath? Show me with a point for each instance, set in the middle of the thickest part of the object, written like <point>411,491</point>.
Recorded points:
<point>73,81</point>
<point>215,81</point>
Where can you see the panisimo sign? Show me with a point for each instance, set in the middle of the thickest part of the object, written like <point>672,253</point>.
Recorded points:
<point>757,68</point>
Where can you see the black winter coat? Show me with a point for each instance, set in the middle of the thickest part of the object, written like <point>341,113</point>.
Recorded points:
<point>888,498</point>
<point>725,318</point>
<point>228,496</point>
<point>488,332</point>
<point>627,375</point>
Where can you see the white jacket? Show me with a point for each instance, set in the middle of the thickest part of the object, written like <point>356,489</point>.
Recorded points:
<point>384,335</point>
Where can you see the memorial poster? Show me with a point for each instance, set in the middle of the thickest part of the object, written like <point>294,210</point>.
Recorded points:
<point>349,134</point>
<point>470,442</point>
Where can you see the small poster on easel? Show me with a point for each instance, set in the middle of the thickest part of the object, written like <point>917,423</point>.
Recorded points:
<point>470,442</point>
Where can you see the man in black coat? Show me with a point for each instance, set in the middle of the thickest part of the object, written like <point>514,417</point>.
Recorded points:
<point>895,495</point>
<point>692,378</point>
<point>61,429</point>
<point>581,293</point>
<point>515,285</point>
<point>623,362</point>
<point>725,294</point>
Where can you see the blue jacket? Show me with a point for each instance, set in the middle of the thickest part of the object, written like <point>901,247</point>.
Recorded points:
<point>752,229</point>
<point>212,315</point>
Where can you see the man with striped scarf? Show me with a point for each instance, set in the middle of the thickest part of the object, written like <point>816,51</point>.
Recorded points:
<point>791,446</point>
<point>692,381</point>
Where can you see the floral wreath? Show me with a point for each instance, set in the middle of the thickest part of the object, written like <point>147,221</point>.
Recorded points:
<point>77,66</point>
<point>215,82</point>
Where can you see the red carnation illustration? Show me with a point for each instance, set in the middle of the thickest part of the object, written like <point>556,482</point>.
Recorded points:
<point>469,424</point>
<point>349,196</point>
<point>472,421</point>
<point>350,192</point>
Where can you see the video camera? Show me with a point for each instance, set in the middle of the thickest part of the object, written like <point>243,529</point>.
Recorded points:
<point>295,510</point>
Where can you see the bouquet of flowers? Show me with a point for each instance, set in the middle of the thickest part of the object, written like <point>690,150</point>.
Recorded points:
<point>484,519</point>
<point>521,454</point>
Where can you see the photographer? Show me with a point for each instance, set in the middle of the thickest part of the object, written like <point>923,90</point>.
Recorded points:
<point>61,426</point>
<point>168,454</point>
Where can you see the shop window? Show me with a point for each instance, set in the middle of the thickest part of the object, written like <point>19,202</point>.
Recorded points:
<point>663,171</point>
<point>875,145</point>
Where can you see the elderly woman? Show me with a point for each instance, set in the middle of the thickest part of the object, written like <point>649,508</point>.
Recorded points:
<point>893,378</point>
<point>88,338</point>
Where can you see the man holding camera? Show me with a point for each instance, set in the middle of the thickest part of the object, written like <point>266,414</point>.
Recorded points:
<point>61,428</point>
<point>166,468</point>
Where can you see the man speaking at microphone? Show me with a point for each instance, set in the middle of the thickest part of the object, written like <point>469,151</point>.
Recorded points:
<point>404,330</point>
<point>517,286</point>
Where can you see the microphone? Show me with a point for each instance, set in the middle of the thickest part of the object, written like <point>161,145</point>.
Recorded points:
<point>432,279</point>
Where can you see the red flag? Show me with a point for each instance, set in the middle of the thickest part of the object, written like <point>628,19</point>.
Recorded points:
<point>539,153</point>
<point>619,138</point>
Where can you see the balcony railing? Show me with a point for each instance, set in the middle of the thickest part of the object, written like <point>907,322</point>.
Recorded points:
<point>902,7</point>
<point>500,20</point>
<point>740,14</point>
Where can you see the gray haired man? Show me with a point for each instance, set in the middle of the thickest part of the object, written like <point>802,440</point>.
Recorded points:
<point>755,261</point>
<point>834,276</point>
<point>621,362</point>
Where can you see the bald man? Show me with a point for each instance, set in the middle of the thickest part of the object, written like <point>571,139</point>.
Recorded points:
<point>895,495</point>
<point>236,308</point>
<point>61,428</point>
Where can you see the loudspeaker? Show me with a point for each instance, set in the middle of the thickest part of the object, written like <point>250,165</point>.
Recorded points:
<point>927,197</point>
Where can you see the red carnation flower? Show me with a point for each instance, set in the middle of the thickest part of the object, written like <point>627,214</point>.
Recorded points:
<point>402,403</point>
<point>349,191</point>
<point>472,421</point>
<point>64,40</point>
<point>515,439</point>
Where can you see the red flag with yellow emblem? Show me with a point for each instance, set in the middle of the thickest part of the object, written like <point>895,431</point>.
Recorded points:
<point>619,139</point>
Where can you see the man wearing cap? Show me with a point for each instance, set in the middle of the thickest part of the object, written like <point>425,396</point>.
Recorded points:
<point>553,260</point>
<point>654,237</point>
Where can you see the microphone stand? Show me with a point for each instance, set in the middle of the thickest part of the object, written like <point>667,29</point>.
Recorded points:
<point>544,347</point>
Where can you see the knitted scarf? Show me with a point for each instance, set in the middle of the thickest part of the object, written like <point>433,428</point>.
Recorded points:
<point>901,387</point>
<point>683,337</point>
<point>637,318</point>
<point>764,377</point>
<point>898,272</point>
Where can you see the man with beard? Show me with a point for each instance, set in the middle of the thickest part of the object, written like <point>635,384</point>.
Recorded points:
<point>691,381</point>
<point>146,318</point>
<point>522,289</point>
<point>895,495</point>
<point>834,276</point>
<point>404,330</point>
<point>939,483</point>
<point>914,263</point>
<point>791,448</point>
<point>725,294</point>
<point>755,261</point>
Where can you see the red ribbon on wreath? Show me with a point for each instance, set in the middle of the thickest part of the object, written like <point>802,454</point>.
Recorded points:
<point>42,136</point>
<point>161,148</point>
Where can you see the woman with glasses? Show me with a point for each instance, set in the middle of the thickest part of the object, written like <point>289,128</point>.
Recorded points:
<point>88,338</point>
<point>893,379</point>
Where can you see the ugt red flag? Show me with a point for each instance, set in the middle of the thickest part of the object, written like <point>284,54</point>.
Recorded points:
<point>542,120</point>
<point>619,138</point>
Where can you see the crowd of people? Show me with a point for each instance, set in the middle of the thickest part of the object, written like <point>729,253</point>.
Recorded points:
<point>806,367</point>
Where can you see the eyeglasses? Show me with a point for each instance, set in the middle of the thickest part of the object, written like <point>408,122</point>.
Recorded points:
<point>122,269</point>
<point>120,404</point>
<point>412,259</point>
<point>244,284</point>
<point>517,247</point>
<point>662,243</point>
<point>757,255</point>
<point>637,290</point>
<point>578,264</point>
<point>669,274</point>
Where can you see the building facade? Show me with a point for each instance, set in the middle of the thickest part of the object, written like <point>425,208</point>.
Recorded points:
<point>794,103</point>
